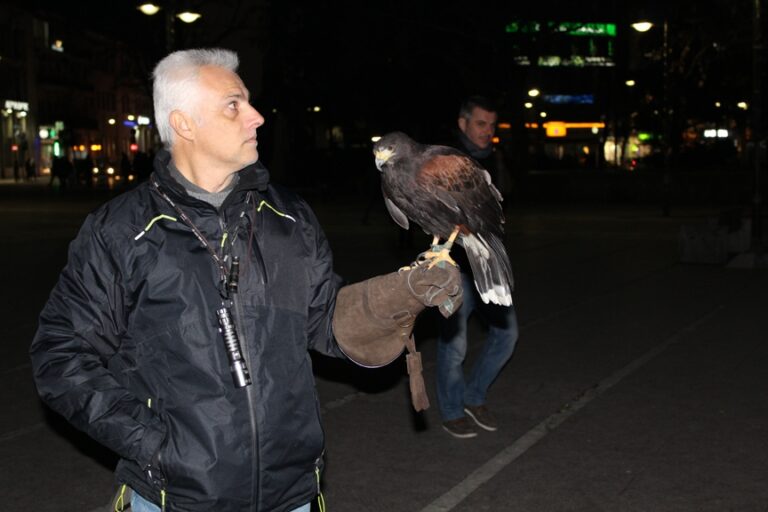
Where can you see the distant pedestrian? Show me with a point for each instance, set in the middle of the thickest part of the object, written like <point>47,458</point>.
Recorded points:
<point>30,168</point>
<point>142,165</point>
<point>84,171</point>
<point>61,169</point>
<point>125,166</point>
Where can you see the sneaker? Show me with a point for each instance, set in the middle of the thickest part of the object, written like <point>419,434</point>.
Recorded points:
<point>462,428</point>
<point>482,416</point>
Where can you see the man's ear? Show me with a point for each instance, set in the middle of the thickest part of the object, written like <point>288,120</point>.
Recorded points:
<point>182,124</point>
<point>463,124</point>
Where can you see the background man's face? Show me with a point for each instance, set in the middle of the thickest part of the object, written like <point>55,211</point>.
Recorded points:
<point>226,121</point>
<point>479,127</point>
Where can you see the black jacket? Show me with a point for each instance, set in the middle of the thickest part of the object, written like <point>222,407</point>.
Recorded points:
<point>128,347</point>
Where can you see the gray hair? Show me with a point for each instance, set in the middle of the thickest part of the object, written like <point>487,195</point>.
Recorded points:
<point>174,84</point>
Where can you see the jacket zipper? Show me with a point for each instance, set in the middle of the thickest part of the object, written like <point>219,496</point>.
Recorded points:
<point>238,316</point>
<point>251,400</point>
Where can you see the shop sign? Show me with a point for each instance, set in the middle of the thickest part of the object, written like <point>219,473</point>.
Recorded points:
<point>17,105</point>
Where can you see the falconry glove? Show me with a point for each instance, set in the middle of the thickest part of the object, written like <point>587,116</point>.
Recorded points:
<point>373,321</point>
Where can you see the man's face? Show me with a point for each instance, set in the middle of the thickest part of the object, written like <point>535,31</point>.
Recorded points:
<point>479,127</point>
<point>225,123</point>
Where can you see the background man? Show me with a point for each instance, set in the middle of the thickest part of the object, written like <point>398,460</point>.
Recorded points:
<point>463,401</point>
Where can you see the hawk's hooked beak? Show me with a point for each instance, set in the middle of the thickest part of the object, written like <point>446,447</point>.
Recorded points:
<point>382,155</point>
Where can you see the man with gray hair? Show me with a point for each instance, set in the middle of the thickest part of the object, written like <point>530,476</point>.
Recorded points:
<point>178,332</point>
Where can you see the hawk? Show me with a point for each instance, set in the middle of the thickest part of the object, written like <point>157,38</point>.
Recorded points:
<point>452,198</point>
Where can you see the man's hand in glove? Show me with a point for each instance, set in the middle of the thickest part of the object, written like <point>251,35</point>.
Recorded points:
<point>436,286</point>
<point>374,319</point>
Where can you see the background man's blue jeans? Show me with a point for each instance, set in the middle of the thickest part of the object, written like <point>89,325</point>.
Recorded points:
<point>453,392</point>
<point>139,504</point>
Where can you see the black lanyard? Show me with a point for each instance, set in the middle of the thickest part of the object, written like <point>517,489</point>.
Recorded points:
<point>224,272</point>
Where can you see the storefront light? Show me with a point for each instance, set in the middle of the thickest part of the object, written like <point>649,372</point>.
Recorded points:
<point>43,133</point>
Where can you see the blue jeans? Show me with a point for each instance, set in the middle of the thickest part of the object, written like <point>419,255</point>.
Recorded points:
<point>453,391</point>
<point>139,504</point>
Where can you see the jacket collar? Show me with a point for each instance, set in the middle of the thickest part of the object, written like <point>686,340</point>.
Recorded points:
<point>253,177</point>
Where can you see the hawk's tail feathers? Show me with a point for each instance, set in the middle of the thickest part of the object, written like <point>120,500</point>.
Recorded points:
<point>491,269</point>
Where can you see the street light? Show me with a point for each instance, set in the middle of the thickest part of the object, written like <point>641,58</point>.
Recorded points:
<point>187,16</point>
<point>644,26</point>
<point>149,9</point>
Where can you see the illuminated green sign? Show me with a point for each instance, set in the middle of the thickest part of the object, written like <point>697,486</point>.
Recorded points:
<point>576,61</point>
<point>556,27</point>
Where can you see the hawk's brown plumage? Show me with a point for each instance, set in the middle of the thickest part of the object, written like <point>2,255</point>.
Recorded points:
<point>442,189</point>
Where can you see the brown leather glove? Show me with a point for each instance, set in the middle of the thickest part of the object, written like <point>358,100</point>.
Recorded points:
<point>374,319</point>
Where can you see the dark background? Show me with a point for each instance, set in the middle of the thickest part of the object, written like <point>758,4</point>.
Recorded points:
<point>330,75</point>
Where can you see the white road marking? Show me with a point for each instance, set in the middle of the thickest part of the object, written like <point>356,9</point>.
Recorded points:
<point>484,473</point>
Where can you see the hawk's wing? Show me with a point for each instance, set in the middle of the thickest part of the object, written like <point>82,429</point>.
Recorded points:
<point>396,214</point>
<point>459,183</point>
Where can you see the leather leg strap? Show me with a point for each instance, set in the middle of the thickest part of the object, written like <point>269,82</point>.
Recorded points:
<point>419,397</point>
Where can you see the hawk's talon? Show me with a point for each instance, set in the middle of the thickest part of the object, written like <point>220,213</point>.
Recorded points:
<point>437,255</point>
<point>441,259</point>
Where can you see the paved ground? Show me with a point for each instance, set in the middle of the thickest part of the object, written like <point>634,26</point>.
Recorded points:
<point>638,383</point>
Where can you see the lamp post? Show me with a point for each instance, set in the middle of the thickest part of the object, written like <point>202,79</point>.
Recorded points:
<point>187,16</point>
<point>757,130</point>
<point>644,26</point>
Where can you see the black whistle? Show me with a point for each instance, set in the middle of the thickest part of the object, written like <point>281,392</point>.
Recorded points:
<point>234,275</point>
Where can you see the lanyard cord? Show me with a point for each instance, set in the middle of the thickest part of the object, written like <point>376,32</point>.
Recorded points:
<point>223,271</point>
